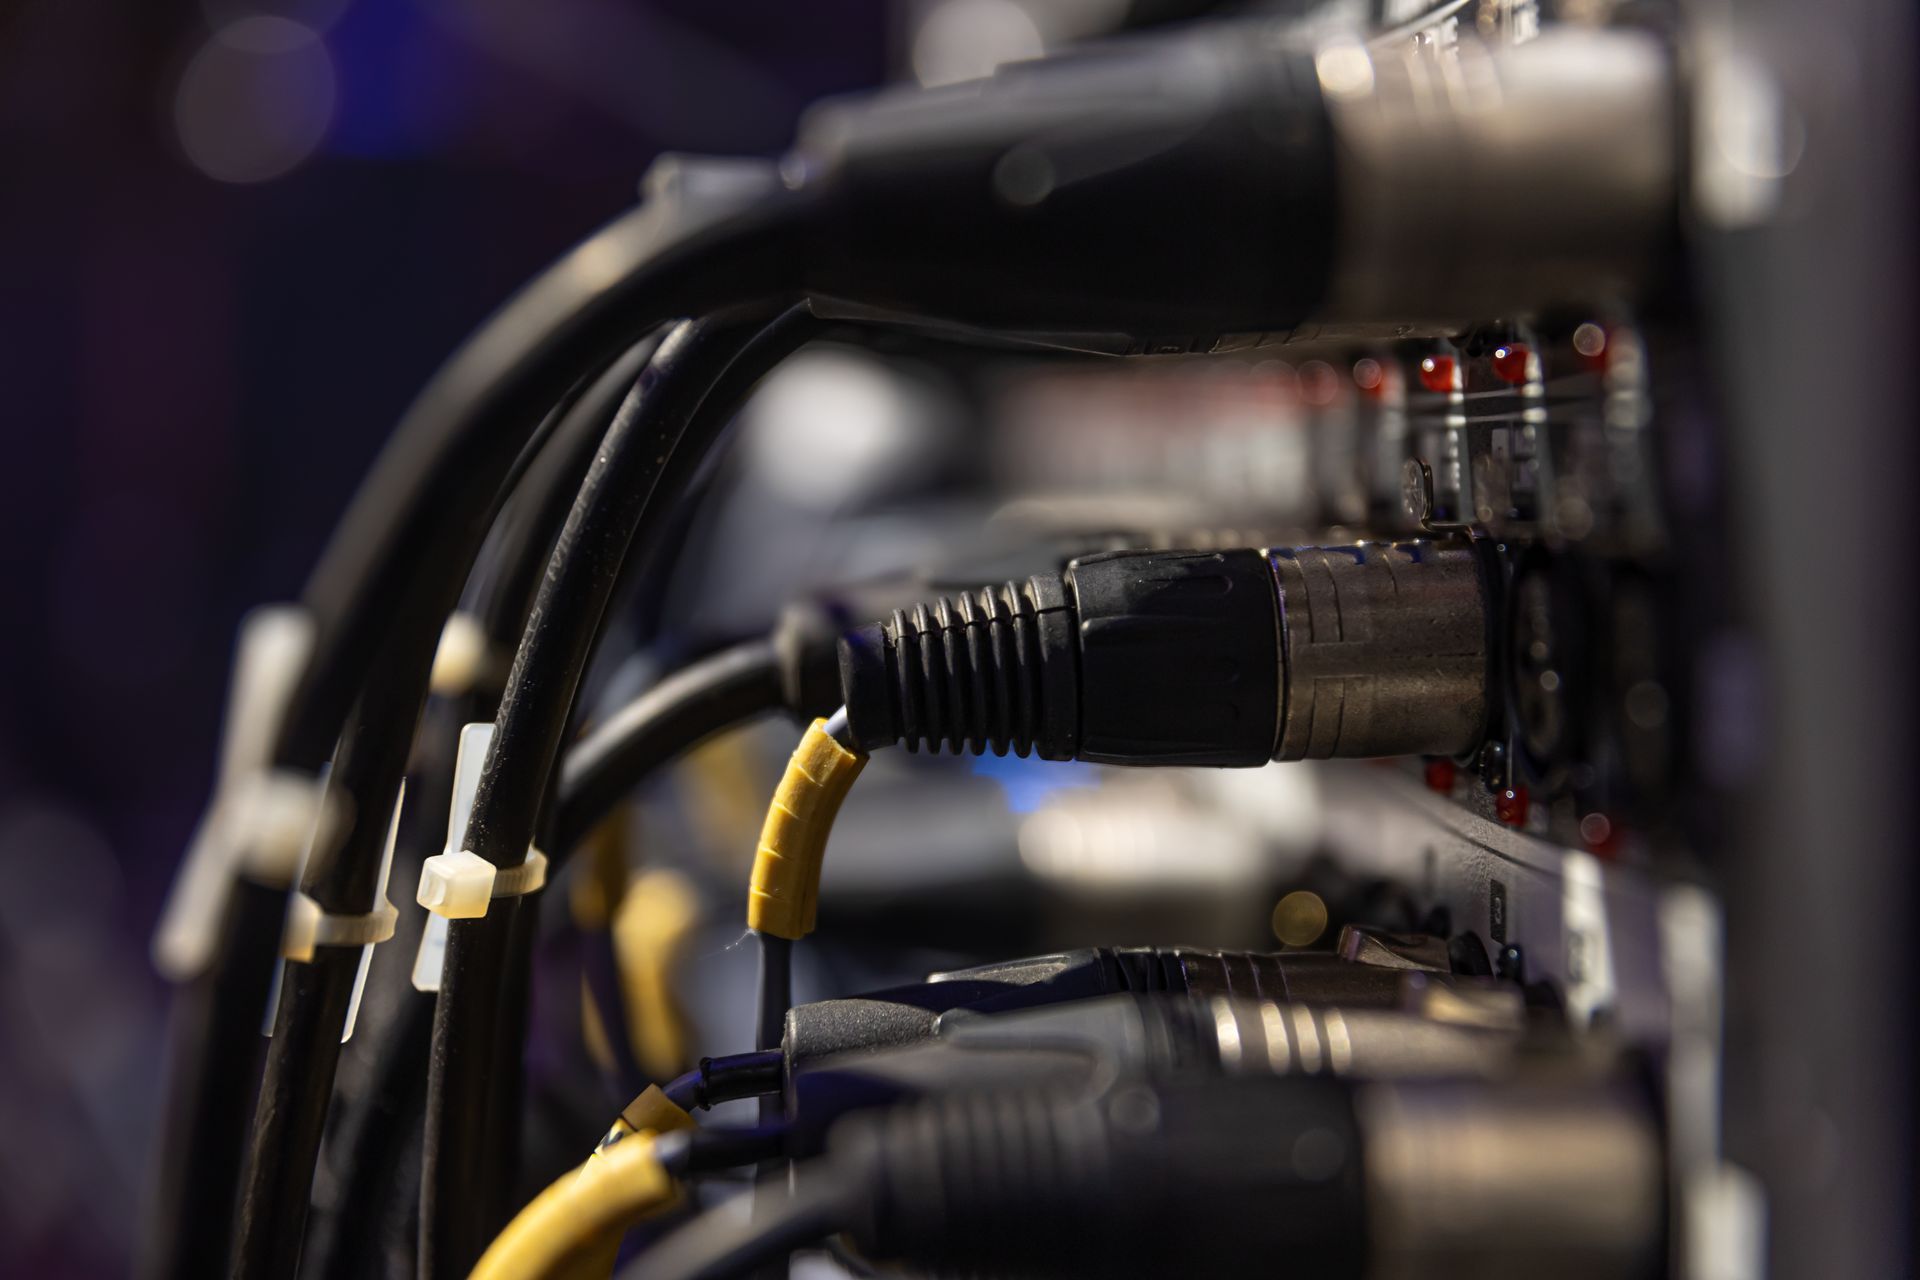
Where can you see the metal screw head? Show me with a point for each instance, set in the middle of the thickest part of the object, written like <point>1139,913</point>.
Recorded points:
<point>1416,490</point>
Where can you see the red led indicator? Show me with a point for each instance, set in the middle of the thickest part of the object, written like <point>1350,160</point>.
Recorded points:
<point>1436,373</point>
<point>1510,362</point>
<point>1510,806</point>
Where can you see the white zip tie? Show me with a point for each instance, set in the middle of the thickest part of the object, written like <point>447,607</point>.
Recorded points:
<point>463,656</point>
<point>309,926</point>
<point>457,883</point>
<point>258,820</point>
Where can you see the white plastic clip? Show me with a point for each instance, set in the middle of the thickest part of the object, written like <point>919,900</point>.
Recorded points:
<point>309,926</point>
<point>460,884</point>
<point>258,820</point>
<point>457,883</point>
<point>462,658</point>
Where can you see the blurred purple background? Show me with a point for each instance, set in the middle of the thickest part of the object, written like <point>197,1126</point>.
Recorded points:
<point>235,238</point>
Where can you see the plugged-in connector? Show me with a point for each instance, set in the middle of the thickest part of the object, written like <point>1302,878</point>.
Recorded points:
<point>1190,658</point>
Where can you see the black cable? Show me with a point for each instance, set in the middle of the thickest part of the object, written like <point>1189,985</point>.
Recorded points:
<point>291,1114</point>
<point>291,1111</point>
<point>776,990</point>
<point>383,589</point>
<point>643,461</point>
<point>721,1244</point>
<point>712,1147</point>
<point>213,1040</point>
<point>774,998</point>
<point>701,699</point>
<point>728,1079</point>
<point>516,553</point>
<point>430,497</point>
<point>531,521</point>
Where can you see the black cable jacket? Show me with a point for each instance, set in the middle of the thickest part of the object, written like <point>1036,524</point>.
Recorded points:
<point>457,1213</point>
<point>722,1245</point>
<point>243,968</point>
<point>518,548</point>
<point>214,1046</point>
<point>532,519</point>
<point>506,1098</point>
<point>707,1148</point>
<point>528,529</point>
<point>770,1017</point>
<point>287,1126</point>
<point>532,525</point>
<point>372,1150</point>
<point>728,1079</point>
<point>432,492</point>
<point>455,1219</point>
<point>695,702</point>
<point>291,1112</point>
<point>372,1147</point>
<point>617,508</point>
<point>776,992</point>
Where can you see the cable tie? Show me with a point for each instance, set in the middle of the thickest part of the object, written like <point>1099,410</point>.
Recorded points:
<point>258,821</point>
<point>309,925</point>
<point>462,658</point>
<point>457,883</point>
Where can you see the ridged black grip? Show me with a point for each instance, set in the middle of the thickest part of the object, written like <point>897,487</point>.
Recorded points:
<point>1222,1178</point>
<point>988,670</point>
<point>1132,657</point>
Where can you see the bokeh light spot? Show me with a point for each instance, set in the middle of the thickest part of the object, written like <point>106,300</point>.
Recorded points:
<point>256,100</point>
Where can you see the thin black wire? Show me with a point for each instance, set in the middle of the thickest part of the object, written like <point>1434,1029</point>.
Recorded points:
<point>776,997</point>
<point>642,463</point>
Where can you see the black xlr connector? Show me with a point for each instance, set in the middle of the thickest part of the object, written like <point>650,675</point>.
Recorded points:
<point>1190,658</point>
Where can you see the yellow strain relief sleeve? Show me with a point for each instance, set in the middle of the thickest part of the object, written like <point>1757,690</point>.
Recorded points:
<point>654,1110</point>
<point>785,888</point>
<point>571,1231</point>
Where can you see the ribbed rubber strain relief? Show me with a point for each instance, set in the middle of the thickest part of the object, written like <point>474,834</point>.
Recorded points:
<point>966,1185</point>
<point>988,670</point>
<point>1195,1176</point>
<point>1131,657</point>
